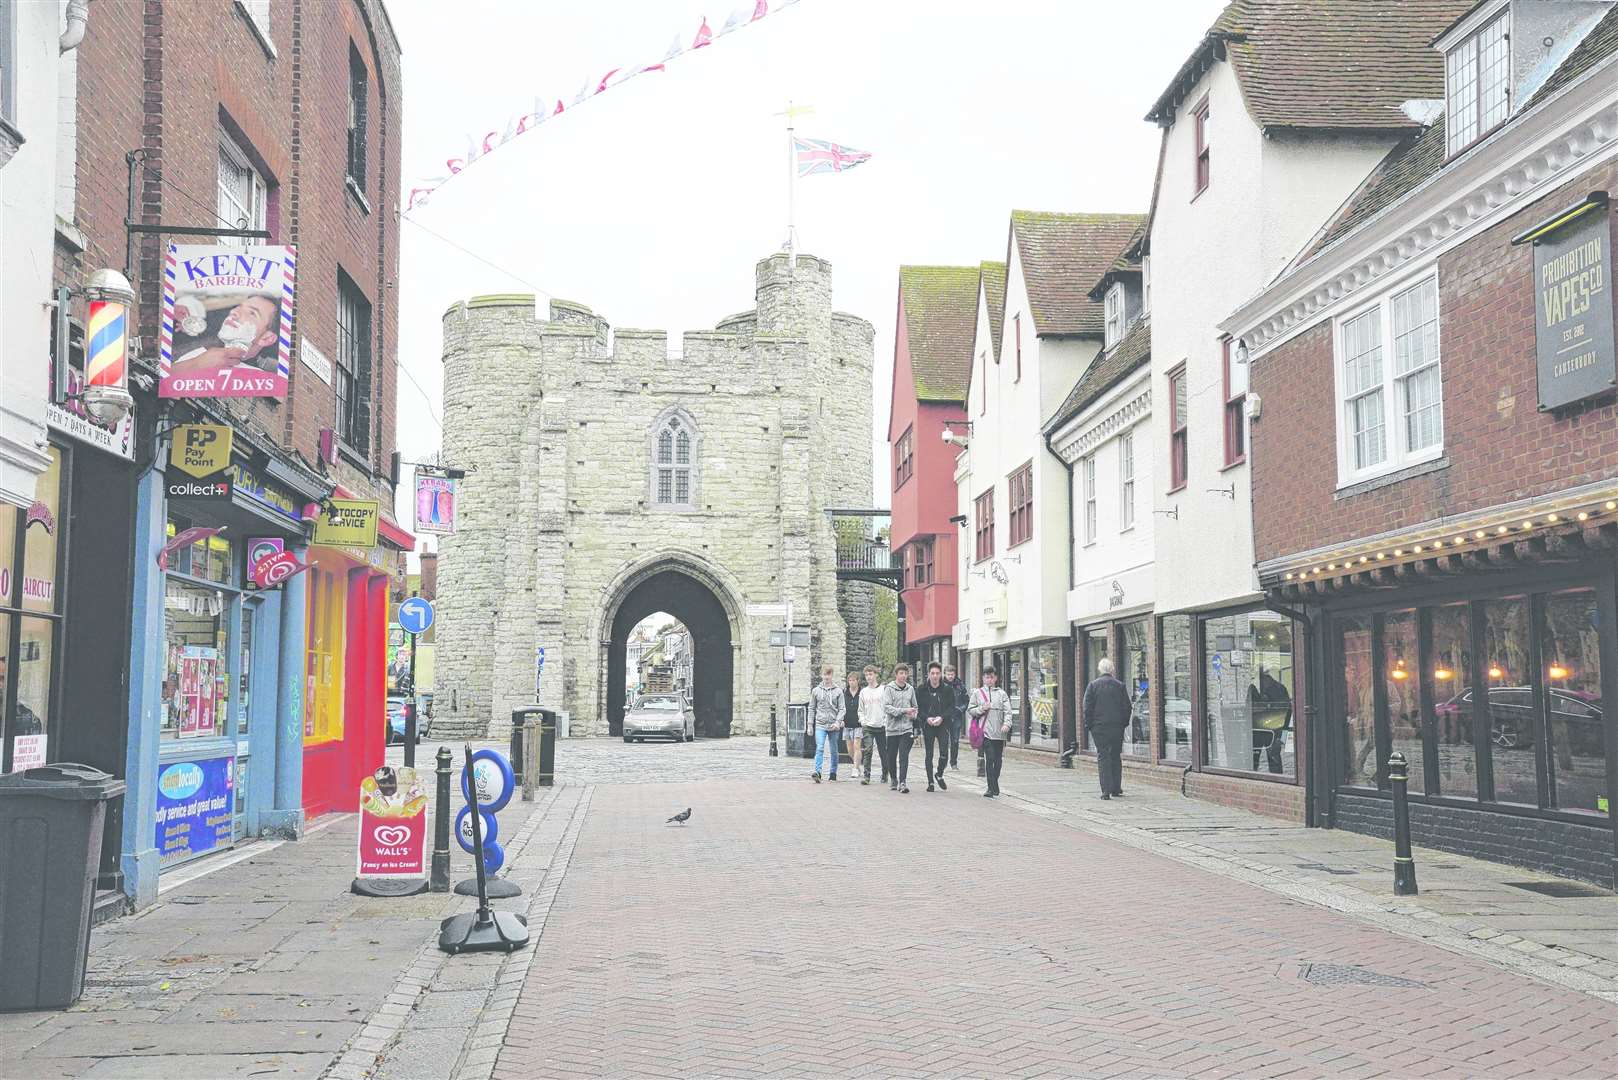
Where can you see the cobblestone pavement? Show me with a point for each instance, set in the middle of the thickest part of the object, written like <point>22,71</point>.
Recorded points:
<point>796,929</point>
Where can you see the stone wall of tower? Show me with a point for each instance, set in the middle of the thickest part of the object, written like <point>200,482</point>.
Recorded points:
<point>559,517</point>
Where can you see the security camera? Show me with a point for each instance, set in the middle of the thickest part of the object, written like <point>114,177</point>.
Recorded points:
<point>950,437</point>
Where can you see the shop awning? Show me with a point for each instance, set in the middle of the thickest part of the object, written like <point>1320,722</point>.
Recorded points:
<point>1568,526</point>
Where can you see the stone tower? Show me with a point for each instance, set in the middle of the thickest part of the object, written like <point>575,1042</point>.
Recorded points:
<point>571,529</point>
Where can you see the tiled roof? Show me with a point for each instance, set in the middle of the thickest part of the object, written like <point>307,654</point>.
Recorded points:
<point>1321,64</point>
<point>1127,263</point>
<point>993,275</point>
<point>1062,256</point>
<point>941,317</point>
<point>1420,157</point>
<point>1105,371</point>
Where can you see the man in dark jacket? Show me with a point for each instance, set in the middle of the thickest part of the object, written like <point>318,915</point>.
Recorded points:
<point>957,719</point>
<point>1106,712</point>
<point>935,704</point>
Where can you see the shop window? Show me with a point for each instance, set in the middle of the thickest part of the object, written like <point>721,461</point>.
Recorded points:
<point>1247,693</point>
<point>1453,733</point>
<point>30,624</point>
<point>323,672</point>
<point>196,677</point>
<point>1132,672</point>
<point>1175,668</point>
<point>1361,768</point>
<point>1401,684</point>
<point>1044,695</point>
<point>1096,649</point>
<point>1572,688</point>
<point>1513,707</point>
<point>1014,686</point>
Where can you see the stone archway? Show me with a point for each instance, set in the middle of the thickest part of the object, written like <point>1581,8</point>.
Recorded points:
<point>670,589</point>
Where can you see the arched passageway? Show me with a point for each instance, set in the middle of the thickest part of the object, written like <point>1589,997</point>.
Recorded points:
<point>695,605</point>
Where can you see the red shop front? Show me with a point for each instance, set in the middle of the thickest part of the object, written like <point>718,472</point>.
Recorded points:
<point>345,689</point>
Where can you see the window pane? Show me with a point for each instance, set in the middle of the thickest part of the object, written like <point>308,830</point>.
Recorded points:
<point>682,486</point>
<point>1452,715</point>
<point>1460,113</point>
<point>665,448</point>
<point>1493,74</point>
<point>1133,669</point>
<point>1360,766</point>
<point>1013,669</point>
<point>1177,395</point>
<point>196,685</point>
<point>682,449</point>
<point>41,526</point>
<point>1573,682</point>
<point>1401,673</point>
<point>9,517</point>
<point>1247,680</point>
<point>1044,681</point>
<point>1365,422</point>
<point>1176,721</point>
<point>665,485</point>
<point>1096,648</point>
<point>1513,716</point>
<point>1424,418</point>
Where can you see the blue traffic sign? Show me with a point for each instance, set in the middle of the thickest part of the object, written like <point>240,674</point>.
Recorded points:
<point>415,615</point>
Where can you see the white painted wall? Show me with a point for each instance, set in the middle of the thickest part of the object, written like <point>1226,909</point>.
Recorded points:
<point>27,240</point>
<point>1266,198</point>
<point>1005,436</point>
<point>1117,554</point>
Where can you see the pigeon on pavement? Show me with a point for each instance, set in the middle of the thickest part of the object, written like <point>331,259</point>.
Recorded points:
<point>682,817</point>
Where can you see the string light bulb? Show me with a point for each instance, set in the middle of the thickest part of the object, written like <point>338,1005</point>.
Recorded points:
<point>1584,515</point>
<point>1611,505</point>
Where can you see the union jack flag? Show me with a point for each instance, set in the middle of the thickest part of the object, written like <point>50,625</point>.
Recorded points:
<point>819,156</point>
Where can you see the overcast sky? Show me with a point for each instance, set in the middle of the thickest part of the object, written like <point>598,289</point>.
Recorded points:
<point>652,202</point>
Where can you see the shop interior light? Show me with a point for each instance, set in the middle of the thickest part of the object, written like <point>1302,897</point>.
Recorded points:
<point>1495,672</point>
<point>1443,674</point>
<point>1557,671</point>
<point>1399,673</point>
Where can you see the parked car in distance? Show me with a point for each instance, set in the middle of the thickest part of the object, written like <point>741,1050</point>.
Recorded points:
<point>395,730</point>
<point>659,716</point>
<point>1514,722</point>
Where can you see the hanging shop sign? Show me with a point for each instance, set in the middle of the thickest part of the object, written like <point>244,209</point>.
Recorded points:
<point>393,825</point>
<point>355,524</point>
<point>201,449</point>
<point>435,504</point>
<point>194,807</point>
<point>1573,304</point>
<point>270,563</point>
<point>184,538</point>
<point>278,500</point>
<point>227,321</point>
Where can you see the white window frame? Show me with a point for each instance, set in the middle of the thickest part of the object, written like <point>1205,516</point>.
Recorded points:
<point>1087,471</point>
<point>258,17</point>
<point>1126,481</point>
<point>1398,454</point>
<point>1115,307</point>
<point>1145,284</point>
<point>1465,55</point>
<point>8,63</point>
<point>228,208</point>
<point>674,423</point>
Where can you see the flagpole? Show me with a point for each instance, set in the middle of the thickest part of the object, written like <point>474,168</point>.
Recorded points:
<point>792,193</point>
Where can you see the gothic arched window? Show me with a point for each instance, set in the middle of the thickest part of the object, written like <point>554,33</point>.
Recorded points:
<point>673,462</point>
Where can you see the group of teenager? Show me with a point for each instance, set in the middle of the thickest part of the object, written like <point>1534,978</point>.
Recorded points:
<point>889,718</point>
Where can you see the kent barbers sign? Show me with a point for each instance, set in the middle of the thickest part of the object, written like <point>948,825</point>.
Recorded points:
<point>227,322</point>
<point>1573,303</point>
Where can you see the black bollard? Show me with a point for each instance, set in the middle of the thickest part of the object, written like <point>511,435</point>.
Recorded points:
<point>441,815</point>
<point>773,751</point>
<point>410,733</point>
<point>1404,866</point>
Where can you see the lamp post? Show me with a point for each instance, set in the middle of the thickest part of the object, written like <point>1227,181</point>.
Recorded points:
<point>106,354</point>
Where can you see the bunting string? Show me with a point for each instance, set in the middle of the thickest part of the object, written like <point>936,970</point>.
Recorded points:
<point>543,111</point>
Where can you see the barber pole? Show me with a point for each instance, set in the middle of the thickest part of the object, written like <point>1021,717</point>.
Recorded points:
<point>106,364</point>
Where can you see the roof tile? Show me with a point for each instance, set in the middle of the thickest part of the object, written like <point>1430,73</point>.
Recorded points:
<point>941,315</point>
<point>1104,372</point>
<point>1062,257</point>
<point>993,276</point>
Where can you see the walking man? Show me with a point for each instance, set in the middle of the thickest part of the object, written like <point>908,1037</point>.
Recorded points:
<point>991,704</point>
<point>957,718</point>
<point>827,705</point>
<point>935,702</point>
<point>899,716</point>
<point>1106,711</point>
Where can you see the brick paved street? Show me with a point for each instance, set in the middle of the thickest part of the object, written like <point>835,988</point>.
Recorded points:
<point>795,929</point>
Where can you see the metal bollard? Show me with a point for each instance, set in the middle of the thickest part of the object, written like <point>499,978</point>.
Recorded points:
<point>410,732</point>
<point>1404,866</point>
<point>773,751</point>
<point>530,755</point>
<point>441,812</point>
<point>544,736</point>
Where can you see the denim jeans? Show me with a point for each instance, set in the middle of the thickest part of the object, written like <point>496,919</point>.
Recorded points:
<point>826,746</point>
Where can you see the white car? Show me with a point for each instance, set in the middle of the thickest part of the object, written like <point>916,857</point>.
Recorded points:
<point>659,716</point>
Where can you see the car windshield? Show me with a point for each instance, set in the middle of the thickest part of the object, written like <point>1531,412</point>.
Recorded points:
<point>659,704</point>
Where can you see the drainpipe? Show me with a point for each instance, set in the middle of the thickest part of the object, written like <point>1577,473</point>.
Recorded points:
<point>78,17</point>
<point>1072,539</point>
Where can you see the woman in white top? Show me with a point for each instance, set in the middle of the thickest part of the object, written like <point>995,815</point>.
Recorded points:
<point>873,723</point>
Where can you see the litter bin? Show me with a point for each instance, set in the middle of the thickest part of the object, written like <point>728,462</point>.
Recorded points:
<point>50,846</point>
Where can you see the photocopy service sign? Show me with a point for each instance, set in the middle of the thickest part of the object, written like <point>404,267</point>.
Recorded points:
<point>1574,303</point>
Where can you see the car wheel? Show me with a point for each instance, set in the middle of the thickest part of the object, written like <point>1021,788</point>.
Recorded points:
<point>628,739</point>
<point>1506,736</point>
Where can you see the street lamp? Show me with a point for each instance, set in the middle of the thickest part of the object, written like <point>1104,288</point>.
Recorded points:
<point>106,355</point>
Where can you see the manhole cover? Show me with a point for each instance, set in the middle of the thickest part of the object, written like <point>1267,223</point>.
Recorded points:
<point>1561,890</point>
<point>1348,975</point>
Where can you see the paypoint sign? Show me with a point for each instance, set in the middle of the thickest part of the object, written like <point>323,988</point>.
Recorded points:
<point>200,454</point>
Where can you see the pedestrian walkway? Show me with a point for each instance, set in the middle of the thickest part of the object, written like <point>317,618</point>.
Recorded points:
<point>1543,926</point>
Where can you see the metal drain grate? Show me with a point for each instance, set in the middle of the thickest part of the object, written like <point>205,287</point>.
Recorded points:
<point>1348,975</point>
<point>1561,890</point>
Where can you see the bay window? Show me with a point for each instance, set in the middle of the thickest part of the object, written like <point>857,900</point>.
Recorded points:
<point>1389,384</point>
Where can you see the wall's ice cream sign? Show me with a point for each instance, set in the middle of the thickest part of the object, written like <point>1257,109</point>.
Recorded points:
<point>227,321</point>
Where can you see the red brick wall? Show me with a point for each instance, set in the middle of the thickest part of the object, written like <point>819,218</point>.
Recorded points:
<point>1498,444</point>
<point>166,75</point>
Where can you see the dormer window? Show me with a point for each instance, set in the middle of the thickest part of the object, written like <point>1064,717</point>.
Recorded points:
<point>1478,83</point>
<point>1145,284</point>
<point>1115,314</point>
